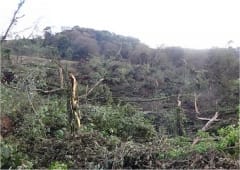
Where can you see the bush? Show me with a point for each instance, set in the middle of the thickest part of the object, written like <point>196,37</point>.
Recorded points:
<point>229,139</point>
<point>11,158</point>
<point>49,119</point>
<point>13,102</point>
<point>58,165</point>
<point>119,122</point>
<point>175,148</point>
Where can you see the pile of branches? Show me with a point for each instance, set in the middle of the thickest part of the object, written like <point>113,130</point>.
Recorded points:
<point>212,159</point>
<point>91,150</point>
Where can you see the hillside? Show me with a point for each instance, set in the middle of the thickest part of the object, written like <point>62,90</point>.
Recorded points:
<point>167,108</point>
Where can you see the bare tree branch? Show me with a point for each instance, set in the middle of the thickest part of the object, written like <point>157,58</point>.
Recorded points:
<point>195,103</point>
<point>30,101</point>
<point>198,112</point>
<point>204,118</point>
<point>90,91</point>
<point>48,91</point>
<point>179,101</point>
<point>151,99</point>
<point>14,20</point>
<point>208,124</point>
<point>60,69</point>
<point>206,127</point>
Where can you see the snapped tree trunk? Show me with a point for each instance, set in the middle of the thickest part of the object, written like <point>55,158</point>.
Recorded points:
<point>73,106</point>
<point>179,118</point>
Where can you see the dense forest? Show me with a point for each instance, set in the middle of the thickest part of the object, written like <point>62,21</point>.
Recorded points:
<point>138,107</point>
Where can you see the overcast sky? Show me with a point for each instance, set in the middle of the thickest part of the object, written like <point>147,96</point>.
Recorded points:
<point>185,23</point>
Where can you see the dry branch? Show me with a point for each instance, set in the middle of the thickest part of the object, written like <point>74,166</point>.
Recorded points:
<point>14,20</point>
<point>61,71</point>
<point>61,77</point>
<point>205,127</point>
<point>179,102</point>
<point>204,118</point>
<point>149,100</point>
<point>49,91</point>
<point>208,124</point>
<point>145,100</point>
<point>195,104</point>
<point>94,87</point>
<point>198,112</point>
<point>30,102</point>
<point>90,91</point>
<point>179,122</point>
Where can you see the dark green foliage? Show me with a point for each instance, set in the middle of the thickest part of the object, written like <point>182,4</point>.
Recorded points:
<point>63,44</point>
<point>12,158</point>
<point>49,120</point>
<point>229,141</point>
<point>124,123</point>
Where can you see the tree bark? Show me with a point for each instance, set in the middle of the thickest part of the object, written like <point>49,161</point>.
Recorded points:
<point>73,106</point>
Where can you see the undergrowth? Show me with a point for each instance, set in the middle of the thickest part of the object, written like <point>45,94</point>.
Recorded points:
<point>116,136</point>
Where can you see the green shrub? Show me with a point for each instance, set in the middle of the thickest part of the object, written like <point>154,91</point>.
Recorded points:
<point>176,148</point>
<point>55,117</point>
<point>49,119</point>
<point>102,95</point>
<point>204,146</point>
<point>11,158</point>
<point>229,139</point>
<point>13,102</point>
<point>176,153</point>
<point>119,122</point>
<point>58,165</point>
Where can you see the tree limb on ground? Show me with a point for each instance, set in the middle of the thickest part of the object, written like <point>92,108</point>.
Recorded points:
<point>197,110</point>
<point>208,124</point>
<point>145,100</point>
<point>206,127</point>
<point>49,91</point>
<point>150,100</point>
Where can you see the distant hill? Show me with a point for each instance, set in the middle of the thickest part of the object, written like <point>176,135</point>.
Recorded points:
<point>83,43</point>
<point>79,42</point>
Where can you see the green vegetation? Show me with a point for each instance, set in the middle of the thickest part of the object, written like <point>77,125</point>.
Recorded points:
<point>142,115</point>
<point>58,165</point>
<point>11,157</point>
<point>118,122</point>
